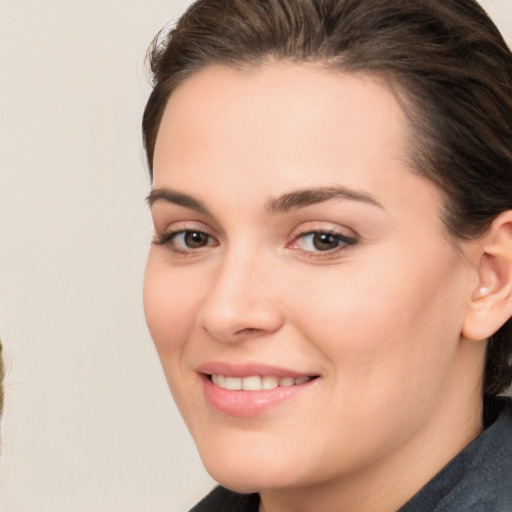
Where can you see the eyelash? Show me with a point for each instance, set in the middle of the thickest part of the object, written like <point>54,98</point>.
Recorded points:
<point>343,241</point>
<point>168,237</point>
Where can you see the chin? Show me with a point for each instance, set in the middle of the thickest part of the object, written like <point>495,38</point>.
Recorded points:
<point>249,472</point>
<point>239,484</point>
<point>238,473</point>
<point>247,481</point>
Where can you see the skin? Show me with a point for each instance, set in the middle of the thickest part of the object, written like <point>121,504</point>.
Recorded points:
<point>379,321</point>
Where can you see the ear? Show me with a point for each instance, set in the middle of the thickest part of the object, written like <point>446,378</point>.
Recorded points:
<point>491,302</point>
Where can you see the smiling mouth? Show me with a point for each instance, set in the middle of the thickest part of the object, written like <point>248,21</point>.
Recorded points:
<point>256,382</point>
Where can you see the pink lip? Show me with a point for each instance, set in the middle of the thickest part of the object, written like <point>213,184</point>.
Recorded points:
<point>248,369</point>
<point>248,403</point>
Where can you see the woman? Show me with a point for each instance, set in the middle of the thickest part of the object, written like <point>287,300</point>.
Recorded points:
<point>329,287</point>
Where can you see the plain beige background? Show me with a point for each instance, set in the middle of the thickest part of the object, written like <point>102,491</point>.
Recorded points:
<point>89,424</point>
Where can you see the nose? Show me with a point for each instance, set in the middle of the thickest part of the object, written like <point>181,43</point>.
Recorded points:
<point>241,301</point>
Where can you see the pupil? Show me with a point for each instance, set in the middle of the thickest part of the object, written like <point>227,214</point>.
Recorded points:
<point>325,241</point>
<point>196,239</point>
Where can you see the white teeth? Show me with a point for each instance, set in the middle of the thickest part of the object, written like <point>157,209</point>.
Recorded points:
<point>287,381</point>
<point>251,383</point>
<point>269,382</point>
<point>233,383</point>
<point>219,380</point>
<point>256,383</point>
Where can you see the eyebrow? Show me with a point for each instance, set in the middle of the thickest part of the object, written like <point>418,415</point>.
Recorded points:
<point>306,197</point>
<point>290,201</point>
<point>178,198</point>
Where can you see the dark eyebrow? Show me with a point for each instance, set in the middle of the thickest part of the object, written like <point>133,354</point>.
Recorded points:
<point>289,201</point>
<point>307,197</point>
<point>171,196</point>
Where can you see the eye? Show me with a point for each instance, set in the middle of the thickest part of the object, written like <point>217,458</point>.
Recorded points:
<point>322,241</point>
<point>191,239</point>
<point>185,240</point>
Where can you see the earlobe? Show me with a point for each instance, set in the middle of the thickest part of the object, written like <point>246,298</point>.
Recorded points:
<point>491,301</point>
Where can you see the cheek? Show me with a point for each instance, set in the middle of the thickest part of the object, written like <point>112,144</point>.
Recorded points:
<point>167,306</point>
<point>385,320</point>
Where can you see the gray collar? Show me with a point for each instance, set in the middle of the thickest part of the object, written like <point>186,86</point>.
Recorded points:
<point>478,479</point>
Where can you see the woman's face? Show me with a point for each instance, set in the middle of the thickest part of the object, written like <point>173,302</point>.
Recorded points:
<point>298,257</point>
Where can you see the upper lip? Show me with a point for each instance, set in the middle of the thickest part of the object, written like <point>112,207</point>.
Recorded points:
<point>248,369</point>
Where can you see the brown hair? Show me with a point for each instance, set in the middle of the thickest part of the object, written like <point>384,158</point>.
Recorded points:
<point>446,61</point>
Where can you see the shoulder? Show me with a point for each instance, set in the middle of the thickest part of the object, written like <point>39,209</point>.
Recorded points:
<point>478,478</point>
<point>224,500</point>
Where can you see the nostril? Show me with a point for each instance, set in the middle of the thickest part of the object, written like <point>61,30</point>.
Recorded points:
<point>248,330</point>
<point>248,333</point>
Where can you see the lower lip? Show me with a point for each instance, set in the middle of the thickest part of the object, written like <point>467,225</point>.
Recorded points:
<point>249,403</point>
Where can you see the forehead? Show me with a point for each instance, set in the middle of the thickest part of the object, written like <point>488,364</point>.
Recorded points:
<point>282,126</point>
<point>290,101</point>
